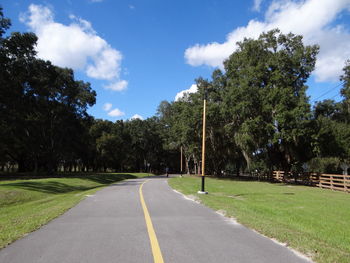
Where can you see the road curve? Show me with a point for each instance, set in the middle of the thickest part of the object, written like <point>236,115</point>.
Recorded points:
<point>110,226</point>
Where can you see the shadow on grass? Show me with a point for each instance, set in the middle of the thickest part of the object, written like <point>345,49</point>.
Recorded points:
<point>30,176</point>
<point>105,178</point>
<point>56,187</point>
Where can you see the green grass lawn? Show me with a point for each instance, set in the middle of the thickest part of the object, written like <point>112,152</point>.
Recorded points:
<point>25,205</point>
<point>313,221</point>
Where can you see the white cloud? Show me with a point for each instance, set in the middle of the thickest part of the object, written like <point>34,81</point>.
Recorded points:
<point>136,116</point>
<point>314,19</point>
<point>106,66</point>
<point>84,24</point>
<point>107,106</point>
<point>75,45</point>
<point>117,86</point>
<point>116,113</point>
<point>257,4</point>
<point>96,1</point>
<point>181,94</point>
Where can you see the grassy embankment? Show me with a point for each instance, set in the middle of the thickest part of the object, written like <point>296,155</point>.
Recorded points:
<point>25,205</point>
<point>311,220</point>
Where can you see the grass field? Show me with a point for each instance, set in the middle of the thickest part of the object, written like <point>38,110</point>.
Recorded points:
<point>313,221</point>
<point>25,205</point>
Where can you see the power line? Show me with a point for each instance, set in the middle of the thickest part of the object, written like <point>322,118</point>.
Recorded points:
<point>329,91</point>
<point>336,95</point>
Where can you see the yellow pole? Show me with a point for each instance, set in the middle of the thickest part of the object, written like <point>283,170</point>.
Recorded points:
<point>203,146</point>
<point>203,139</point>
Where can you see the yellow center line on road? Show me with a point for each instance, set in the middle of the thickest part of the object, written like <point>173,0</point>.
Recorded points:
<point>157,254</point>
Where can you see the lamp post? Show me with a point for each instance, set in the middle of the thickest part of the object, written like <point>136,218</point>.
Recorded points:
<point>202,191</point>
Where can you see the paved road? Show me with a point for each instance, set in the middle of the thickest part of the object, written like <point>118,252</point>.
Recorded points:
<point>111,227</point>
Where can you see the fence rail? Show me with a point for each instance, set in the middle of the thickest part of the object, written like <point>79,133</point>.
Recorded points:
<point>278,176</point>
<point>335,182</point>
<point>301,178</point>
<point>329,181</point>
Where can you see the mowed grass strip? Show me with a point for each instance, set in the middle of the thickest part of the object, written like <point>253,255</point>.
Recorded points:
<point>311,220</point>
<point>25,205</point>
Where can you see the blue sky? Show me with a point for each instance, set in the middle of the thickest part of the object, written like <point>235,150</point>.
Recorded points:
<point>136,53</point>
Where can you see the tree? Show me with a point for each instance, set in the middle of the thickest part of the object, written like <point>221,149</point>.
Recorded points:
<point>113,146</point>
<point>146,145</point>
<point>265,100</point>
<point>332,133</point>
<point>345,91</point>
<point>182,127</point>
<point>41,106</point>
<point>5,23</point>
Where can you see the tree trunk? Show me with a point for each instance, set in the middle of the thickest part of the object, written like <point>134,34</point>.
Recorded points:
<point>238,167</point>
<point>187,161</point>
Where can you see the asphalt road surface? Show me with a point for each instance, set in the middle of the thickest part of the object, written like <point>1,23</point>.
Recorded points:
<point>113,226</point>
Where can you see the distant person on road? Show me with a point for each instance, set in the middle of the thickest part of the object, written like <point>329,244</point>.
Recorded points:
<point>167,172</point>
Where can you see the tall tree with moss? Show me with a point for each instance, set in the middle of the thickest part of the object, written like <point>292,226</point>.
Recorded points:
<point>265,101</point>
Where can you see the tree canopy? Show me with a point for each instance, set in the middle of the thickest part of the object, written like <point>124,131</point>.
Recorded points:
<point>259,117</point>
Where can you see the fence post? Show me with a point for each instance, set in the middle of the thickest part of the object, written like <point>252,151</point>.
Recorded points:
<point>331,181</point>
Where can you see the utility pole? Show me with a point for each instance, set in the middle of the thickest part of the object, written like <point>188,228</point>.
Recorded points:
<point>202,191</point>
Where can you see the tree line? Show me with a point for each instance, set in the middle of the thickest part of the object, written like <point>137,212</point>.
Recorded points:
<point>259,117</point>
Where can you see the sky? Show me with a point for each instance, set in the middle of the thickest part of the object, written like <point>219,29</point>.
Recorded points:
<point>136,53</point>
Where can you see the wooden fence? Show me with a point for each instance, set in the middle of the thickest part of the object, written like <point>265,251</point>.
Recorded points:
<point>278,176</point>
<point>330,181</point>
<point>335,182</point>
<point>302,178</point>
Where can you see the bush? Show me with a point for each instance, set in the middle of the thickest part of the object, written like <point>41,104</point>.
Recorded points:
<point>325,165</point>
